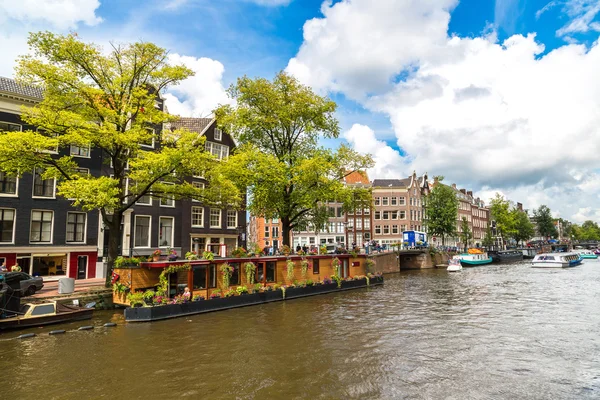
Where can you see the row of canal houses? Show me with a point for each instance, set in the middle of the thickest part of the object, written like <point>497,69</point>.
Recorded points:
<point>47,236</point>
<point>398,205</point>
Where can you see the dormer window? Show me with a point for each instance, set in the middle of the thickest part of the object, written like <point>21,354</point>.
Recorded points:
<point>218,134</point>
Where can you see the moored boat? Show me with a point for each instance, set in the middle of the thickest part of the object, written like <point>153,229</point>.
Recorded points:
<point>587,254</point>
<point>454,265</point>
<point>528,252</point>
<point>31,315</point>
<point>556,260</point>
<point>506,256</point>
<point>473,258</point>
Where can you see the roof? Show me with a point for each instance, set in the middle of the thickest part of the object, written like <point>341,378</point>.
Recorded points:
<point>391,182</point>
<point>357,177</point>
<point>198,125</point>
<point>11,86</point>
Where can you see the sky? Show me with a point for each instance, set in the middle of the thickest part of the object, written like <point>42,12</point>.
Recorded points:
<point>496,96</point>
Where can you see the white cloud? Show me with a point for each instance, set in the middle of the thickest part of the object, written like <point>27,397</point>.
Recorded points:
<point>581,15</point>
<point>492,116</point>
<point>62,14</point>
<point>199,95</point>
<point>388,163</point>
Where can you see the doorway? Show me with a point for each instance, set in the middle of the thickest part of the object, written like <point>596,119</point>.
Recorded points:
<point>82,262</point>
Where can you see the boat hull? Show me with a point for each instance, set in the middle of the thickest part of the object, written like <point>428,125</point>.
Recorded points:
<point>589,256</point>
<point>474,263</point>
<point>556,264</point>
<point>22,323</point>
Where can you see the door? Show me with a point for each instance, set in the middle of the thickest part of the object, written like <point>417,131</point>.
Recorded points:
<point>345,269</point>
<point>82,262</point>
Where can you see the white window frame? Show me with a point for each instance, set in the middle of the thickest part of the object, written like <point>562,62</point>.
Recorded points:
<point>48,151</point>
<point>218,137</point>
<point>378,229</point>
<point>172,231</point>
<point>89,150</point>
<point>168,198</point>
<point>51,227</point>
<point>235,214</point>
<point>12,123</point>
<point>149,231</point>
<point>210,224</point>
<point>385,201</point>
<point>33,196</point>
<point>198,185</point>
<point>137,203</point>
<point>84,227</point>
<point>14,229</point>
<point>153,139</point>
<point>201,219</point>
<point>16,193</point>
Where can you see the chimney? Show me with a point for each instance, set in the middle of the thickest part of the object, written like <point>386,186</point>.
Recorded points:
<point>463,191</point>
<point>454,186</point>
<point>470,193</point>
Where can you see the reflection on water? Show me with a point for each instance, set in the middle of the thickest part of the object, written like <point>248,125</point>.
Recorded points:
<point>499,331</point>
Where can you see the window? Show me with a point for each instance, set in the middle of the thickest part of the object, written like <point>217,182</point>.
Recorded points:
<point>218,134</point>
<point>51,136</point>
<point>197,185</point>
<point>367,224</point>
<point>7,225</point>
<point>377,214</point>
<point>340,227</point>
<point>41,226</point>
<point>275,220</point>
<point>42,187</point>
<point>377,201</point>
<point>231,219</point>
<point>7,126</point>
<point>270,273</point>
<point>394,229</point>
<point>142,231</point>
<point>165,231</point>
<point>275,232</point>
<point>235,275</point>
<point>386,215</point>
<point>78,151</point>
<point>266,231</point>
<point>403,227</point>
<point>43,309</point>
<point>339,213</point>
<point>145,200</point>
<point>149,142</point>
<point>394,201</point>
<point>367,211</point>
<point>75,227</point>
<point>386,229</point>
<point>384,201</point>
<point>8,185</point>
<point>412,201</point>
<point>358,224</point>
<point>378,229</point>
<point>402,201</point>
<point>402,214</point>
<point>315,266</point>
<point>332,211</point>
<point>197,216</point>
<point>82,171</point>
<point>218,150</point>
<point>200,275</point>
<point>215,218</point>
<point>394,214</point>
<point>167,201</point>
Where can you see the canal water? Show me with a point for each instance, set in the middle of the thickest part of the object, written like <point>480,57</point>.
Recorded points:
<point>499,331</point>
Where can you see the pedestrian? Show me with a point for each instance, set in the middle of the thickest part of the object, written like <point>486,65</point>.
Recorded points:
<point>186,294</point>
<point>298,248</point>
<point>3,267</point>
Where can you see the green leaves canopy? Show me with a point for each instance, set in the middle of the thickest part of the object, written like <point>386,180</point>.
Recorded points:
<point>442,211</point>
<point>545,222</point>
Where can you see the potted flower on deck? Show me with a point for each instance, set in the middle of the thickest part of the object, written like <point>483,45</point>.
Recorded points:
<point>172,255</point>
<point>156,254</point>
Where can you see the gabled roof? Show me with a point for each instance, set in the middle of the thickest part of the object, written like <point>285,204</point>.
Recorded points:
<point>391,182</point>
<point>357,177</point>
<point>11,86</point>
<point>198,125</point>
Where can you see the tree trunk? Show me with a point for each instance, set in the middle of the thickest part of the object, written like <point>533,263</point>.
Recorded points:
<point>114,237</point>
<point>285,231</point>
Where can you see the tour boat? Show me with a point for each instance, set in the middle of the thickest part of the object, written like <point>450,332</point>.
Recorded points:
<point>587,254</point>
<point>31,315</point>
<point>473,257</point>
<point>556,260</point>
<point>454,265</point>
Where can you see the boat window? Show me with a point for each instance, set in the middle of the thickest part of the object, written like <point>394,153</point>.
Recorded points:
<point>24,309</point>
<point>550,258</point>
<point>200,277</point>
<point>271,267</point>
<point>43,309</point>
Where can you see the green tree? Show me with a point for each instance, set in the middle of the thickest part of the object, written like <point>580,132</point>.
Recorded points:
<point>465,233</point>
<point>523,228</point>
<point>500,210</point>
<point>107,101</point>
<point>589,230</point>
<point>441,209</point>
<point>488,239</point>
<point>545,222</point>
<point>278,125</point>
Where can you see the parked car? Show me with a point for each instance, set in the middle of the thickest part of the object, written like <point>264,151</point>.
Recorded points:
<point>21,280</point>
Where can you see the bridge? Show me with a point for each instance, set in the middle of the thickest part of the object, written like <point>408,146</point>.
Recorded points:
<point>396,261</point>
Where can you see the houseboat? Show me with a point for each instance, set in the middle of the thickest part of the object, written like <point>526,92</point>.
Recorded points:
<point>587,254</point>
<point>556,260</point>
<point>528,252</point>
<point>506,256</point>
<point>473,258</point>
<point>167,289</point>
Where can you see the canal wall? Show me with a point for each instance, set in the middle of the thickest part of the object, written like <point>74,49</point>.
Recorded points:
<point>103,299</point>
<point>401,261</point>
<point>386,262</point>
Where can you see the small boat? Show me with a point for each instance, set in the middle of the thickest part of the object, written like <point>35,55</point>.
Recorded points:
<point>506,256</point>
<point>31,315</point>
<point>473,258</point>
<point>454,265</point>
<point>528,252</point>
<point>587,254</point>
<point>556,260</point>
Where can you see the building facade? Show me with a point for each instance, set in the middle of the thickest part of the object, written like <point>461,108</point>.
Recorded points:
<point>265,232</point>
<point>359,219</point>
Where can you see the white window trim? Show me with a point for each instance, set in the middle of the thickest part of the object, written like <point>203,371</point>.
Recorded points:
<point>137,203</point>
<point>203,187</point>
<point>153,139</point>
<point>149,231</point>
<point>166,198</point>
<point>51,226</point>
<point>220,218</point>
<point>42,197</point>
<point>48,151</point>
<point>12,123</point>
<point>16,194</point>
<point>236,219</point>
<point>77,155</point>
<point>14,225</point>
<point>220,138</point>
<point>172,231</point>
<point>84,227</point>
<point>192,217</point>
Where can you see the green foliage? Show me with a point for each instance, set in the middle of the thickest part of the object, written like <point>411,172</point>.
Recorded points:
<point>304,264</point>
<point>335,263</point>
<point>338,280</point>
<point>148,295</point>
<point>229,293</point>
<point>323,250</point>
<point>250,269</point>
<point>104,99</point>
<point>465,232</point>
<point>239,252</point>
<point>441,211</point>
<point>241,290</point>
<point>278,125</point>
<point>191,255</point>
<point>523,228</point>
<point>163,282</point>
<point>124,262</point>
<point>500,210</point>
<point>488,239</point>
<point>369,265</point>
<point>589,230</point>
<point>545,222</point>
<point>208,255</point>
<point>290,270</point>
<point>120,288</point>
<point>257,288</point>
<point>135,299</point>
<point>309,282</point>
<point>227,271</point>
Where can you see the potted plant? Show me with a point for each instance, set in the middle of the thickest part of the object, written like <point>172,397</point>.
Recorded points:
<point>323,250</point>
<point>241,290</point>
<point>172,255</point>
<point>126,262</point>
<point>239,252</point>
<point>208,255</point>
<point>136,299</point>
<point>191,255</point>
<point>369,264</point>
<point>227,271</point>
<point>229,293</point>
<point>197,297</point>
<point>149,297</point>
<point>250,271</point>
<point>156,254</point>
<point>215,294</point>
<point>285,250</point>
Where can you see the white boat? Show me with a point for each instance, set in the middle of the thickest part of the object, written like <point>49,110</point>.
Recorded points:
<point>454,265</point>
<point>473,257</point>
<point>587,254</point>
<point>556,260</point>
